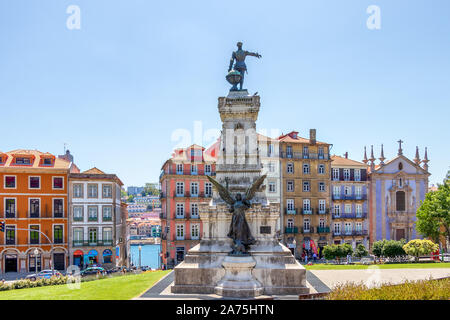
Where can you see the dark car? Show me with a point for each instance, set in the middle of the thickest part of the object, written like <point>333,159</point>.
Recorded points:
<point>93,271</point>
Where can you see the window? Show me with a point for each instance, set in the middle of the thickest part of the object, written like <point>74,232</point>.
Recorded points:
<point>107,236</point>
<point>21,160</point>
<point>335,174</point>
<point>10,182</point>
<point>358,209</point>
<point>10,208</point>
<point>348,208</point>
<point>290,186</point>
<point>195,231</point>
<point>400,183</point>
<point>305,152</point>
<point>58,234</point>
<point>194,210</point>
<point>78,236</point>
<point>400,166</point>
<point>92,213</point>
<point>321,223</point>
<point>194,169</point>
<point>321,186</point>
<point>92,236</point>
<point>58,208</point>
<point>10,234</point>
<point>290,223</point>
<point>337,228</point>
<point>107,191</point>
<point>400,201</point>
<point>207,168</point>
<point>107,213</point>
<point>77,213</point>
<point>272,187</point>
<point>92,191</point>
<point>34,183</point>
<point>358,191</point>
<point>208,189</point>
<point>194,188</point>
<point>270,150</point>
<point>346,174</point>
<point>306,205</point>
<point>357,174</point>
<point>47,162</point>
<point>290,204</point>
<point>34,236</point>
<point>306,224</point>
<point>305,168</point>
<point>78,190</point>
<point>271,166</point>
<point>289,151</point>
<point>336,191</point>
<point>322,205</point>
<point>180,210</point>
<point>58,183</point>
<point>347,190</point>
<point>35,208</point>
<point>306,186</point>
<point>321,156</point>
<point>180,188</point>
<point>321,169</point>
<point>337,210</point>
<point>179,168</point>
<point>180,232</point>
<point>348,228</point>
<point>358,227</point>
<point>290,168</point>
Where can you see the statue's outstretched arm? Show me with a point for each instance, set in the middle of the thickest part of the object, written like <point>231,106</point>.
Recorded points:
<point>254,54</point>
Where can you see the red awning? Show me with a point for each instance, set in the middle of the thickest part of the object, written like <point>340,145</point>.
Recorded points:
<point>78,253</point>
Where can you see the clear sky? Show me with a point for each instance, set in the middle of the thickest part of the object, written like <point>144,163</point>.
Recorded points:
<point>137,72</point>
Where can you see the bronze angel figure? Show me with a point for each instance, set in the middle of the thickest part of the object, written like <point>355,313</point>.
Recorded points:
<point>239,229</point>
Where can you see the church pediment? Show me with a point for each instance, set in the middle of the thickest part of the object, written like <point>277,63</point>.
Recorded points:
<point>401,164</point>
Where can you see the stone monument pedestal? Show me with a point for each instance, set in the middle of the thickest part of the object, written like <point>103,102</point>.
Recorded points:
<point>238,280</point>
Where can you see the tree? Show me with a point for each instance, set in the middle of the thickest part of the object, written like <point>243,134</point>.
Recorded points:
<point>418,247</point>
<point>392,248</point>
<point>151,189</point>
<point>130,198</point>
<point>330,252</point>
<point>361,251</point>
<point>346,249</point>
<point>377,248</point>
<point>433,215</point>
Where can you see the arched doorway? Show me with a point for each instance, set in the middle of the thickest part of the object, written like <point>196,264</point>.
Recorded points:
<point>10,262</point>
<point>78,258</point>
<point>107,256</point>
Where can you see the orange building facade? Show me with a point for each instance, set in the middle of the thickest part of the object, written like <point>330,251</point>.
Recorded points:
<point>183,186</point>
<point>33,200</point>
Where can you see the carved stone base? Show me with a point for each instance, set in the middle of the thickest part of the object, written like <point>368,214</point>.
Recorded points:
<point>238,281</point>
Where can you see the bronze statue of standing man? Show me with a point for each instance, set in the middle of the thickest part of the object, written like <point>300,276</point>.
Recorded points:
<point>239,56</point>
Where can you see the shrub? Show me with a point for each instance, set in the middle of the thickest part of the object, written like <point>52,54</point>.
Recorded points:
<point>409,290</point>
<point>417,248</point>
<point>361,251</point>
<point>377,248</point>
<point>392,248</point>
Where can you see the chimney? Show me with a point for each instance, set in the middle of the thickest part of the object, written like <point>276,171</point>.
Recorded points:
<point>312,136</point>
<point>67,156</point>
<point>346,155</point>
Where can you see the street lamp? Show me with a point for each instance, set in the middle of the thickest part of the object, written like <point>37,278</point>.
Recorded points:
<point>36,252</point>
<point>140,248</point>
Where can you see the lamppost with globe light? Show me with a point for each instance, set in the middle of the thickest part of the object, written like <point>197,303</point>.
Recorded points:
<point>36,252</point>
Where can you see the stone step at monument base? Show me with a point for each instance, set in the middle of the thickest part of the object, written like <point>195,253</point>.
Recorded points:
<point>276,269</point>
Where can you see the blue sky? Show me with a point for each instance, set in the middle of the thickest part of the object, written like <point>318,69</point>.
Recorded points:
<point>137,71</point>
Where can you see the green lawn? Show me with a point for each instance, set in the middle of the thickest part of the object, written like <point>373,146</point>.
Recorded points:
<point>118,288</point>
<point>381,266</point>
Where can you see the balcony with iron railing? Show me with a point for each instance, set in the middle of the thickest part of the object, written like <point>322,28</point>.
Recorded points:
<point>307,211</point>
<point>307,231</point>
<point>336,196</point>
<point>31,215</point>
<point>323,229</point>
<point>300,155</point>
<point>92,243</point>
<point>350,233</point>
<point>291,230</point>
<point>323,211</point>
<point>353,215</point>
<point>291,211</point>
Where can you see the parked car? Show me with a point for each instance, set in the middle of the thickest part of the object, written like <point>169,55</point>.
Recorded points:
<point>44,274</point>
<point>93,271</point>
